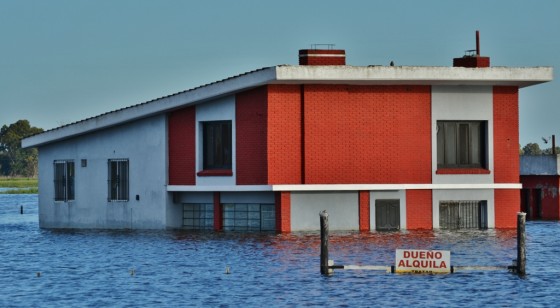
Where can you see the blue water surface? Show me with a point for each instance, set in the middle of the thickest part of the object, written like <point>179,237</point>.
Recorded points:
<point>124,268</point>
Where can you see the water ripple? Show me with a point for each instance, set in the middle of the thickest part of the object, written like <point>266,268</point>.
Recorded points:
<point>175,268</point>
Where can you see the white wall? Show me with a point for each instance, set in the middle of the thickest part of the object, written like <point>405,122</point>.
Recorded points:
<point>218,110</point>
<point>343,209</point>
<point>144,144</point>
<point>462,103</point>
<point>379,195</point>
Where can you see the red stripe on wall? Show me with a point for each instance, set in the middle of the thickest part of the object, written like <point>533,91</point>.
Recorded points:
<point>181,146</point>
<point>251,137</point>
<point>419,209</point>
<point>364,210</point>
<point>283,211</point>
<point>506,135</point>
<point>506,204</point>
<point>284,134</point>
<point>218,222</point>
<point>506,155</point>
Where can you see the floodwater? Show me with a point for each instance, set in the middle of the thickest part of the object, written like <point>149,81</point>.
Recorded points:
<point>175,268</point>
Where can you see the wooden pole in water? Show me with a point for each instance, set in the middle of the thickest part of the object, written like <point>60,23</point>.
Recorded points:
<point>21,209</point>
<point>324,217</point>
<point>521,243</point>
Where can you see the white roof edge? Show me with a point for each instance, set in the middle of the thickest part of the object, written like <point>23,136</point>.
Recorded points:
<point>371,75</point>
<point>426,75</point>
<point>220,88</point>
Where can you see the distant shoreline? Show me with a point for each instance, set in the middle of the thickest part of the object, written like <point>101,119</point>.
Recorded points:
<point>16,185</point>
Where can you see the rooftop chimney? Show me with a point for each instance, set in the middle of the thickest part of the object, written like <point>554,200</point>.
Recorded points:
<point>328,56</point>
<point>472,57</point>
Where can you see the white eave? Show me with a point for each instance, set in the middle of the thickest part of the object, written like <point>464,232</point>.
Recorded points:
<point>414,75</point>
<point>288,74</point>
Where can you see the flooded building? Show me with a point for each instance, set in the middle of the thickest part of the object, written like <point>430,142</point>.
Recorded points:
<point>378,147</point>
<point>540,177</point>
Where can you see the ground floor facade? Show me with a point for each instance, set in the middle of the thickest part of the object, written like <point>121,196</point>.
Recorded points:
<point>359,210</point>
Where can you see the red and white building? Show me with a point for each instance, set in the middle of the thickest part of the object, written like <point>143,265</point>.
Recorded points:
<point>378,147</point>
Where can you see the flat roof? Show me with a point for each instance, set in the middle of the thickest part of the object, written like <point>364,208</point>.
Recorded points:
<point>302,74</point>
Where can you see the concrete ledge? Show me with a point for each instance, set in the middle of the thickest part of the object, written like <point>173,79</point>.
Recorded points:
<point>357,187</point>
<point>203,188</point>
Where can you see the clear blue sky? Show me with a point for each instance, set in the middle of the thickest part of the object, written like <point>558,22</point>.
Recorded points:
<point>63,61</point>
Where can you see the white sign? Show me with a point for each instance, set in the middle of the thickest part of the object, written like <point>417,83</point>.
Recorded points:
<point>422,261</point>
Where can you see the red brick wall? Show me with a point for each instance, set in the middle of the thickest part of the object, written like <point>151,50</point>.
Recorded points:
<point>181,146</point>
<point>419,209</point>
<point>218,221</point>
<point>472,62</point>
<point>549,186</point>
<point>506,155</point>
<point>251,137</point>
<point>284,134</point>
<point>364,210</point>
<point>367,134</point>
<point>506,135</point>
<point>506,204</point>
<point>283,211</point>
<point>313,57</point>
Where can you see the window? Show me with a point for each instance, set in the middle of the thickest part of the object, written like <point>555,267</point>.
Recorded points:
<point>249,217</point>
<point>387,215</point>
<point>465,214</point>
<point>118,180</point>
<point>63,180</point>
<point>216,146</point>
<point>461,144</point>
<point>198,216</point>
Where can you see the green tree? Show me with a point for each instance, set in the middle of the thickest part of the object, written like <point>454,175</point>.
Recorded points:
<point>549,151</point>
<point>15,161</point>
<point>532,149</point>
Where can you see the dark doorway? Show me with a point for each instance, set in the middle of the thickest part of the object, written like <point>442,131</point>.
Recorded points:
<point>387,215</point>
<point>537,213</point>
<point>526,203</point>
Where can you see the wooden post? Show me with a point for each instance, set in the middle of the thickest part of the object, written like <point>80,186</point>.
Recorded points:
<point>324,217</point>
<point>521,243</point>
<point>21,209</point>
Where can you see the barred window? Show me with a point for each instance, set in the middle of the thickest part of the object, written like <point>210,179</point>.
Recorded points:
<point>461,144</point>
<point>118,179</point>
<point>63,180</point>
<point>463,214</point>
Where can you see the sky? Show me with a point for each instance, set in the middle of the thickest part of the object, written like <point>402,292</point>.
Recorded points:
<point>62,61</point>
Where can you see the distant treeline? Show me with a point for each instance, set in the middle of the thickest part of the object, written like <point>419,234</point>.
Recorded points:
<point>15,161</point>
<point>535,149</point>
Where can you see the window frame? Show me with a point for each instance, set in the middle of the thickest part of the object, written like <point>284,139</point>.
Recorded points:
<point>118,184</point>
<point>468,148</point>
<point>64,184</point>
<point>221,158</point>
